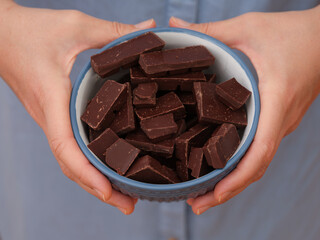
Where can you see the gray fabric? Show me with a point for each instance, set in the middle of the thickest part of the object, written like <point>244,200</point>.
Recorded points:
<point>38,202</point>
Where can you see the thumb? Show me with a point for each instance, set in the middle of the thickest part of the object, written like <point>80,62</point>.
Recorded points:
<point>97,32</point>
<point>227,31</point>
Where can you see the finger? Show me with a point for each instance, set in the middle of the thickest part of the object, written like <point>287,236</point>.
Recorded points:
<point>227,31</point>
<point>255,162</point>
<point>64,147</point>
<point>123,202</point>
<point>97,32</point>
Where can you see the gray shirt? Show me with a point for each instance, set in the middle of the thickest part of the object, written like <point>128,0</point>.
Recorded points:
<point>38,202</point>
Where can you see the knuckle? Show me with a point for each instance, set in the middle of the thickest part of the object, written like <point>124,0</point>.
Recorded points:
<point>250,21</point>
<point>259,174</point>
<point>82,176</point>
<point>75,15</point>
<point>57,146</point>
<point>117,28</point>
<point>206,28</point>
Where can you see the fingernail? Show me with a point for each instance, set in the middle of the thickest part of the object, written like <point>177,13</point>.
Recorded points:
<point>123,210</point>
<point>100,194</point>
<point>144,24</point>
<point>181,22</point>
<point>202,210</point>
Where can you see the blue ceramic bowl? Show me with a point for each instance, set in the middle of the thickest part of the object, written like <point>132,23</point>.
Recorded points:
<point>227,65</point>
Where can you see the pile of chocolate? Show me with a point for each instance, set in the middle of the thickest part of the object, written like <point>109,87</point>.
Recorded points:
<point>168,122</point>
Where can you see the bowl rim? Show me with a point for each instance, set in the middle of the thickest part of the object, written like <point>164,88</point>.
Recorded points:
<point>164,187</point>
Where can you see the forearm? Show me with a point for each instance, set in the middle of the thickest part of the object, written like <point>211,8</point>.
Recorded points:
<point>7,29</point>
<point>316,23</point>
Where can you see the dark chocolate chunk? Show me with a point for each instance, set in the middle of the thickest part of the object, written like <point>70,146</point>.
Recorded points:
<point>211,110</point>
<point>232,93</point>
<point>159,128</point>
<point>146,90</point>
<point>120,155</point>
<point>194,137</point>
<point>140,140</point>
<point>100,111</point>
<point>149,170</point>
<point>125,54</point>
<point>175,59</point>
<point>168,82</point>
<point>102,142</point>
<point>144,95</point>
<point>182,171</point>
<point>124,120</point>
<point>144,103</point>
<point>221,146</point>
<point>189,102</point>
<point>168,103</point>
<point>211,78</point>
<point>197,163</point>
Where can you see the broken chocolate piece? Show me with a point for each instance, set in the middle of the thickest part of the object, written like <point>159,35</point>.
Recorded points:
<point>175,59</point>
<point>221,146</point>
<point>232,93</point>
<point>168,103</point>
<point>197,163</point>
<point>124,120</point>
<point>146,90</point>
<point>127,53</point>
<point>144,95</point>
<point>168,82</point>
<point>159,128</point>
<point>100,111</point>
<point>194,137</point>
<point>149,170</point>
<point>182,171</point>
<point>211,110</point>
<point>120,155</point>
<point>102,142</point>
<point>140,140</point>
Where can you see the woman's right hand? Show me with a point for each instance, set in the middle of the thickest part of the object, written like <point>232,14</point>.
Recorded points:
<point>38,48</point>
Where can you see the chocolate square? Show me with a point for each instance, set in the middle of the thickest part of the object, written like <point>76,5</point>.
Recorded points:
<point>222,145</point>
<point>149,170</point>
<point>232,93</point>
<point>99,145</point>
<point>159,128</point>
<point>124,120</point>
<point>197,163</point>
<point>144,95</point>
<point>100,111</point>
<point>194,137</point>
<point>120,155</point>
<point>175,59</point>
<point>168,103</point>
<point>211,110</point>
<point>126,54</point>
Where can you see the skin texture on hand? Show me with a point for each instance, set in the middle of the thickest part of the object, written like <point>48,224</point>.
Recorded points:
<point>284,48</point>
<point>37,50</point>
